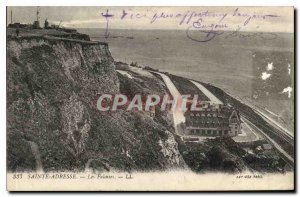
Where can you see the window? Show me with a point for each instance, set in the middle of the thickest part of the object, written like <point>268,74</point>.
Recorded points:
<point>208,132</point>
<point>225,132</point>
<point>215,132</point>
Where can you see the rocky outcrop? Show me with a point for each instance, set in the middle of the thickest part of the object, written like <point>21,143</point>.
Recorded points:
<point>52,88</point>
<point>169,149</point>
<point>76,125</point>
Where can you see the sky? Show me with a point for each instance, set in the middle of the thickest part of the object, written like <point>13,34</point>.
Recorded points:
<point>266,19</point>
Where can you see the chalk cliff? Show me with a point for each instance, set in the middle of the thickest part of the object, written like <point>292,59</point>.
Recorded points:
<point>53,123</point>
<point>52,88</point>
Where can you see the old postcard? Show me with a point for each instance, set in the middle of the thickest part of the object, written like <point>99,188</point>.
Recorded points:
<point>150,98</point>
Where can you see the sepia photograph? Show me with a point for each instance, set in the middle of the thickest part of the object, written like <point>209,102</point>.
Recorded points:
<point>150,98</point>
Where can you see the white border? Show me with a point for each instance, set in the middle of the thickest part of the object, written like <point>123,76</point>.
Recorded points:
<point>152,3</point>
<point>5,3</point>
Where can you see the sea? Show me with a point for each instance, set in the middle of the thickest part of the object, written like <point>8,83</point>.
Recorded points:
<point>238,63</point>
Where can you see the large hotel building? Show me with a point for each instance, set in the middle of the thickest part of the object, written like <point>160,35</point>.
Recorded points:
<point>214,118</point>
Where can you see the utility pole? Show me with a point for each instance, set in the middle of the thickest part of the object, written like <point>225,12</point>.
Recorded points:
<point>11,16</point>
<point>36,24</point>
<point>37,13</point>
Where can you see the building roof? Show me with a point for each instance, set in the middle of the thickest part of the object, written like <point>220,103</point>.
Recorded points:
<point>267,146</point>
<point>212,118</point>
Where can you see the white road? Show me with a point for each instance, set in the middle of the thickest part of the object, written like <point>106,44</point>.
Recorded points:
<point>272,113</point>
<point>273,122</point>
<point>125,73</point>
<point>209,95</point>
<point>142,72</point>
<point>178,115</point>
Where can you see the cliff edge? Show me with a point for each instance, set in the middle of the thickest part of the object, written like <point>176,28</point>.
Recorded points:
<point>52,88</point>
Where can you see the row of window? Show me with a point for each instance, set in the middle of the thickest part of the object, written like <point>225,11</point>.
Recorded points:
<point>208,115</point>
<point>208,121</point>
<point>209,132</point>
<point>208,125</point>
